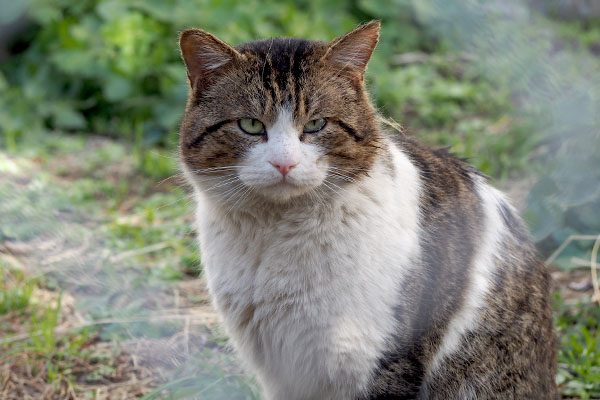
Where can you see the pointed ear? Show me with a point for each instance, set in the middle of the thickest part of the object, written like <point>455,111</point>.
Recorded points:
<point>355,48</point>
<point>204,54</point>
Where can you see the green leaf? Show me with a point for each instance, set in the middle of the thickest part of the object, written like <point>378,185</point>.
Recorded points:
<point>65,116</point>
<point>117,88</point>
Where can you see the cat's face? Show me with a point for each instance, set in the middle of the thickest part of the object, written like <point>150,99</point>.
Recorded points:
<point>278,118</point>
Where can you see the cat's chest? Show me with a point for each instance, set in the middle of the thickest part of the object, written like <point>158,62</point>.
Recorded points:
<point>310,260</point>
<point>290,257</point>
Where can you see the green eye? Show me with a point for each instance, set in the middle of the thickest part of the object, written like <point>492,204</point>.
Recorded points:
<point>251,126</point>
<point>315,125</point>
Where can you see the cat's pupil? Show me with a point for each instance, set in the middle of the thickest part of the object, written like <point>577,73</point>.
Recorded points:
<point>251,126</point>
<point>314,125</point>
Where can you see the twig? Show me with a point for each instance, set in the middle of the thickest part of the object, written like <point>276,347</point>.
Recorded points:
<point>67,254</point>
<point>4,384</point>
<point>594,270</point>
<point>137,252</point>
<point>186,335</point>
<point>593,261</point>
<point>566,243</point>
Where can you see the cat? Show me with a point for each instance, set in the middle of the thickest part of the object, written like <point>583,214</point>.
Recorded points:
<point>346,261</point>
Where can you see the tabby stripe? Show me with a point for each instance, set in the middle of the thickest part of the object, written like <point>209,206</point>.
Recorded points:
<point>200,138</point>
<point>349,131</point>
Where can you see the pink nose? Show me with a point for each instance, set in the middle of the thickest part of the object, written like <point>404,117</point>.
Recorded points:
<point>284,167</point>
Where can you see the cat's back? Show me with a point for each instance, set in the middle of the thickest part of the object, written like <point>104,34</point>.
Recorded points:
<point>483,306</point>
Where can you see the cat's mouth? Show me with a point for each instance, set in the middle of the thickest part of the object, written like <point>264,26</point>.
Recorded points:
<point>283,183</point>
<point>284,190</point>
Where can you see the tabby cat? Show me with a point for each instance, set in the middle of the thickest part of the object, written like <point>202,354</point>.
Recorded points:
<point>348,262</point>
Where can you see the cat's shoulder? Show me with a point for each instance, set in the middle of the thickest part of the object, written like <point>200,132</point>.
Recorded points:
<point>445,178</point>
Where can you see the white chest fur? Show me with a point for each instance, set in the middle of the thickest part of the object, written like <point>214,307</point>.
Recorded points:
<point>307,295</point>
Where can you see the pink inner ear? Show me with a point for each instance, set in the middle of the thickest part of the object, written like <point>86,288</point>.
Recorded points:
<point>204,53</point>
<point>355,48</point>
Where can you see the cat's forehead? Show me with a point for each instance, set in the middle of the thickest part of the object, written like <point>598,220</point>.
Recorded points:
<point>283,53</point>
<point>283,70</point>
<point>282,61</point>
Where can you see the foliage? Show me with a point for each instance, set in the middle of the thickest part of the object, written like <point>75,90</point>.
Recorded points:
<point>551,76</point>
<point>113,67</point>
<point>566,199</point>
<point>579,350</point>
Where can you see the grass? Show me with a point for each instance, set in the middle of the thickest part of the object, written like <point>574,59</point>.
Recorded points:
<point>579,351</point>
<point>16,291</point>
<point>84,218</point>
<point>147,231</point>
<point>71,361</point>
<point>46,355</point>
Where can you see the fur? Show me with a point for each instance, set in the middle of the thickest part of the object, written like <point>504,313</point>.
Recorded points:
<point>374,268</point>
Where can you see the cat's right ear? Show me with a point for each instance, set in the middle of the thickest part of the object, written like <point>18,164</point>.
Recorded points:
<point>204,55</point>
<point>354,49</point>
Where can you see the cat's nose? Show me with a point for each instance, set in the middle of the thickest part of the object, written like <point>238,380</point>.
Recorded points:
<point>284,167</point>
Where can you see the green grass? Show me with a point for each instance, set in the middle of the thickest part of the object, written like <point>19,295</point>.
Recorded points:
<point>48,352</point>
<point>579,350</point>
<point>144,226</point>
<point>16,291</point>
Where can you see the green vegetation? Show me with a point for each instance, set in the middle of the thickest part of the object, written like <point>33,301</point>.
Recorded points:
<point>46,354</point>
<point>15,295</point>
<point>143,228</point>
<point>91,94</point>
<point>579,351</point>
<point>112,67</point>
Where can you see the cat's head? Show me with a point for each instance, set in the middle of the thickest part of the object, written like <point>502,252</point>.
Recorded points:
<point>278,118</point>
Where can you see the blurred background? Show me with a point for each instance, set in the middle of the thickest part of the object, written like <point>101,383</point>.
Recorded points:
<point>100,296</point>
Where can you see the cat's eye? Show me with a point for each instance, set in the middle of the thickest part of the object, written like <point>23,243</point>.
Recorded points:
<point>315,125</point>
<point>251,126</point>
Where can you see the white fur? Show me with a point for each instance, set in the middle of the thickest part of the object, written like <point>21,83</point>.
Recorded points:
<point>484,266</point>
<point>307,292</point>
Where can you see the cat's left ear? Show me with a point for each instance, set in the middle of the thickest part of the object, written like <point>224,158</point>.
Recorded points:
<point>355,48</point>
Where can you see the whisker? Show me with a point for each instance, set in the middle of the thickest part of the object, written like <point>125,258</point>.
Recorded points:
<point>186,197</point>
<point>316,195</point>
<point>222,183</point>
<point>180,174</point>
<point>229,167</point>
<point>230,194</point>
<point>207,179</point>
<point>337,186</point>
<point>347,168</point>
<point>240,198</point>
<point>331,188</point>
<point>342,176</point>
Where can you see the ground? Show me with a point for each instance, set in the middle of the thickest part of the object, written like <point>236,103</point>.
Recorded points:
<point>102,294</point>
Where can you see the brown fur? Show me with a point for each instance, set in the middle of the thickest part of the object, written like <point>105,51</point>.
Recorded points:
<point>511,355</point>
<point>263,75</point>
